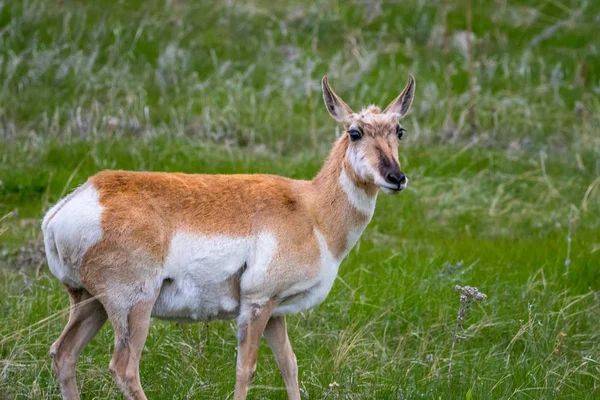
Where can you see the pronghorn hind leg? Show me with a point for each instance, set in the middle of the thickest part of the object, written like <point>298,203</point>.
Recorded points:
<point>87,316</point>
<point>131,330</point>
<point>276,334</point>
<point>251,325</point>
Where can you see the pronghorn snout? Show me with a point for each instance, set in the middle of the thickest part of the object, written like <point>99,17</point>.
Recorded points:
<point>396,178</point>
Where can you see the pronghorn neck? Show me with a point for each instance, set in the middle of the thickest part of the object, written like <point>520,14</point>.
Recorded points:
<point>344,203</point>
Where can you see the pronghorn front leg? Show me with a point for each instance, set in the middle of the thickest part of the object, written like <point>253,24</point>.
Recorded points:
<point>251,325</point>
<point>276,334</point>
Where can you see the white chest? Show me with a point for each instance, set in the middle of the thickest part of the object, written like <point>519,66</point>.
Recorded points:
<point>317,290</point>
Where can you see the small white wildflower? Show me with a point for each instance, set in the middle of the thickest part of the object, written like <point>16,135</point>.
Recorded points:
<point>113,122</point>
<point>334,384</point>
<point>468,295</point>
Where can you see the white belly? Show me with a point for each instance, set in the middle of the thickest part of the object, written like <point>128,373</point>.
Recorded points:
<point>198,278</point>
<point>202,277</point>
<point>190,301</point>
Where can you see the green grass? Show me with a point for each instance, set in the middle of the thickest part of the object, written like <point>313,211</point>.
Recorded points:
<point>386,328</point>
<point>234,88</point>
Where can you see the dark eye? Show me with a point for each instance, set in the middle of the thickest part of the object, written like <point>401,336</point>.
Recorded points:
<point>400,132</point>
<point>355,134</point>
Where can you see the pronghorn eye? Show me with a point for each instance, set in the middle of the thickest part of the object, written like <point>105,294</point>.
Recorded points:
<point>400,132</point>
<point>355,134</point>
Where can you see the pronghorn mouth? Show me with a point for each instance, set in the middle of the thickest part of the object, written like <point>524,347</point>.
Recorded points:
<point>395,189</point>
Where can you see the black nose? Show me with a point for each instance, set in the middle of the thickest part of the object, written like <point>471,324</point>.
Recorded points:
<point>396,178</point>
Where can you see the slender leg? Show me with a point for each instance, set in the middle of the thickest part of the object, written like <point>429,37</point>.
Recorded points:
<point>276,334</point>
<point>86,317</point>
<point>131,331</point>
<point>251,325</point>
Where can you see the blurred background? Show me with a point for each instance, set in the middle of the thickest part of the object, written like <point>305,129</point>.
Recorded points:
<point>502,150</point>
<point>247,73</point>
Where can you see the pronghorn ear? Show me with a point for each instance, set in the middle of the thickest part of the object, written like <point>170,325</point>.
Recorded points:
<point>401,104</point>
<point>339,110</point>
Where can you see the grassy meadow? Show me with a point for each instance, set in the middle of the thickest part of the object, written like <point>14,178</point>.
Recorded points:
<point>505,198</point>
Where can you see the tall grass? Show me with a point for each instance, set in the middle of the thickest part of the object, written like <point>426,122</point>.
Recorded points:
<point>247,73</point>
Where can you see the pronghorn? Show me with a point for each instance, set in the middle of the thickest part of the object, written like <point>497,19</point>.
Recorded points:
<point>129,246</point>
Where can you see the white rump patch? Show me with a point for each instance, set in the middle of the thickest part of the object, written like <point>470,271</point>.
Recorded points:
<point>357,197</point>
<point>70,228</point>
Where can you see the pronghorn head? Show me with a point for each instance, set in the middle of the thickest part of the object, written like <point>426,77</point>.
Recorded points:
<point>373,137</point>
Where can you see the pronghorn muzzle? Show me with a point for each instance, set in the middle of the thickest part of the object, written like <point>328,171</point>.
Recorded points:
<point>393,176</point>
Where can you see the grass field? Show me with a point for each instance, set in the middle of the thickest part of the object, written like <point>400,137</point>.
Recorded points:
<point>512,206</point>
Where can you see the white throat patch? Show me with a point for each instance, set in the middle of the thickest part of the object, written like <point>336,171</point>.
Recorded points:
<point>357,197</point>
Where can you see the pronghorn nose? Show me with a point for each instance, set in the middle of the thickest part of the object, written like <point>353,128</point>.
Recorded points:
<point>395,177</point>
